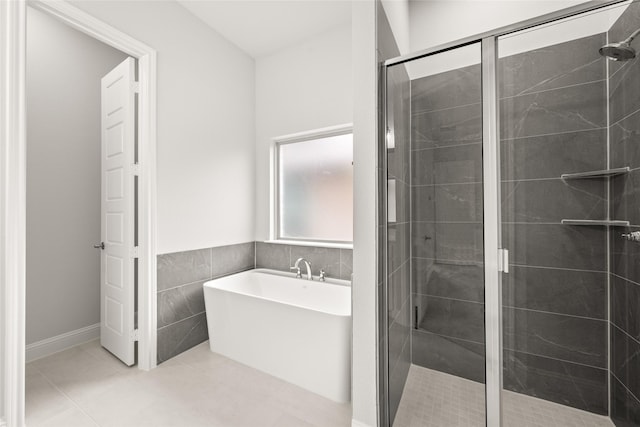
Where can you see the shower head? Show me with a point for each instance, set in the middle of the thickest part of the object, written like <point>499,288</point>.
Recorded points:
<point>621,51</point>
<point>618,51</point>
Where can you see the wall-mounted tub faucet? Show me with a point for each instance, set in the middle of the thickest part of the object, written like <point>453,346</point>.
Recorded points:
<point>307,264</point>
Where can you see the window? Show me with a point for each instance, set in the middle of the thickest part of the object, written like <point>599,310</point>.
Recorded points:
<point>314,188</point>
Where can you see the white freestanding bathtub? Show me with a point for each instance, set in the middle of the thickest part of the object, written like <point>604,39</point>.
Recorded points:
<point>292,328</point>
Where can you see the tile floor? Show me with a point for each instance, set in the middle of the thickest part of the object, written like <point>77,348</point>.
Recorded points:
<point>87,386</point>
<point>434,399</point>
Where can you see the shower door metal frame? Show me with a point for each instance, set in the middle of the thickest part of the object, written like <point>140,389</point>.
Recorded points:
<point>493,253</point>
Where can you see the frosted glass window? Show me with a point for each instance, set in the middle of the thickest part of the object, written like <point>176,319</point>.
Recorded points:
<point>315,189</point>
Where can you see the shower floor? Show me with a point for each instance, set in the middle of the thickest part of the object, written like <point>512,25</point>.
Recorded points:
<point>432,398</point>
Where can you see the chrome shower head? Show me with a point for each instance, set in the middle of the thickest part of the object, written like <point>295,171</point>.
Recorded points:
<point>621,51</point>
<point>618,51</point>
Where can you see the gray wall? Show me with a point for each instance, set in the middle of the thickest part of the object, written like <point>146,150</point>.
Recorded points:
<point>182,321</point>
<point>64,68</point>
<point>624,137</point>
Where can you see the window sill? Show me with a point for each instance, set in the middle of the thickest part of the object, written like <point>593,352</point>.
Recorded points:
<point>315,244</point>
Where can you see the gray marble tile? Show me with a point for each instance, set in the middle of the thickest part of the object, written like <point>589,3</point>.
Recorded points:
<point>562,110</point>
<point>625,407</point>
<point>183,267</point>
<point>624,139</point>
<point>453,126</point>
<point>573,339</point>
<point>551,200</point>
<point>447,165</point>
<point>445,354</point>
<point>179,303</point>
<point>450,202</point>
<point>273,256</point>
<point>232,258</point>
<point>181,336</point>
<point>453,318</point>
<point>327,259</point>
<point>625,197</point>
<point>346,263</point>
<point>550,156</point>
<point>398,245</point>
<point>625,359</point>
<point>578,386</point>
<point>399,332</point>
<point>453,88</point>
<point>624,94</point>
<point>625,255</point>
<point>574,292</point>
<point>558,246</point>
<point>625,305</point>
<point>464,282</point>
<point>399,292</point>
<point>551,67</point>
<point>458,243</point>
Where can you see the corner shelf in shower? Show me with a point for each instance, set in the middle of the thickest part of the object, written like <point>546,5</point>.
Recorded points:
<point>597,174</point>
<point>612,222</point>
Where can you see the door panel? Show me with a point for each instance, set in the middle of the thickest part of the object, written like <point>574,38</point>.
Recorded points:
<point>117,263</point>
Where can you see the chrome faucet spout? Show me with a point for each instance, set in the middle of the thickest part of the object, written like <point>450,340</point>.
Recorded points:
<point>307,264</point>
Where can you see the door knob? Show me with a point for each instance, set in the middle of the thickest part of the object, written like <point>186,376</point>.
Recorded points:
<point>100,246</point>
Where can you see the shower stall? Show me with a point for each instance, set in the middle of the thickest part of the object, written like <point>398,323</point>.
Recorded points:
<point>510,226</point>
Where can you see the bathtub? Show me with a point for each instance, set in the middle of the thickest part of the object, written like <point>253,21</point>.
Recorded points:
<point>292,328</point>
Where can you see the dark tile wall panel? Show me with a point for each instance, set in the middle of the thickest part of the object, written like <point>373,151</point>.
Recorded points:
<point>580,386</point>
<point>181,313</point>
<point>624,102</point>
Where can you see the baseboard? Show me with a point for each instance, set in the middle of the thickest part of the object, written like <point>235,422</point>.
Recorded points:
<point>52,345</point>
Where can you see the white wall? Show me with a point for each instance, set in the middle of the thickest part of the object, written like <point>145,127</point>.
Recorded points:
<point>206,124</point>
<point>64,68</point>
<point>301,88</point>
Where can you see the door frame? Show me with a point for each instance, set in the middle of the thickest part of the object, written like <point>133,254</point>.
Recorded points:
<point>13,189</point>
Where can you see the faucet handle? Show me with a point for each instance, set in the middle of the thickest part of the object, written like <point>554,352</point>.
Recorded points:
<point>323,275</point>
<point>297,269</point>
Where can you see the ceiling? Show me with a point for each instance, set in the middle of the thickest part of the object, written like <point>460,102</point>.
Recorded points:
<point>262,27</point>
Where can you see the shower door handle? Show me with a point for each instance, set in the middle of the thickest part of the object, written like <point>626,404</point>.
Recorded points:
<point>503,260</point>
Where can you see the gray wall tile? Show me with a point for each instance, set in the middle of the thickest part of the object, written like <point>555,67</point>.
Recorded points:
<point>273,256</point>
<point>574,292</point>
<point>327,259</point>
<point>463,282</point>
<point>181,268</point>
<point>453,126</point>
<point>625,407</point>
<point>179,303</point>
<point>562,382</point>
<point>453,318</point>
<point>445,354</point>
<point>181,336</point>
<point>625,359</point>
<point>346,264</point>
<point>233,258</point>
<point>573,339</point>
<point>447,165</point>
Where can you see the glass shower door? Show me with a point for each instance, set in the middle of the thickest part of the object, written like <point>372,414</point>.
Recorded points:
<point>435,241</point>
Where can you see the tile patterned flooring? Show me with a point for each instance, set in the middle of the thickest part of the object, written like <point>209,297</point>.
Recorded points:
<point>434,399</point>
<point>87,386</point>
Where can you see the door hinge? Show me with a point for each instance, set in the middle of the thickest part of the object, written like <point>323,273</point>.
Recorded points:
<point>503,260</point>
<point>135,252</point>
<point>136,87</point>
<point>135,169</point>
<point>135,335</point>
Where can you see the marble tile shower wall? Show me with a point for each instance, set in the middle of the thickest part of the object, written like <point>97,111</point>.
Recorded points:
<point>399,237</point>
<point>624,102</point>
<point>446,219</point>
<point>554,121</point>
<point>182,322</point>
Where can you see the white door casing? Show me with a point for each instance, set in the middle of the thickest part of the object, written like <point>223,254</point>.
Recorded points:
<point>117,288</point>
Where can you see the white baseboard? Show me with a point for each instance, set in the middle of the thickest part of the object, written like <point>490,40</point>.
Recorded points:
<point>356,423</point>
<point>52,345</point>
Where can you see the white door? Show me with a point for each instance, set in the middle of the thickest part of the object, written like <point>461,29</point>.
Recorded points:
<point>117,213</point>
